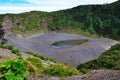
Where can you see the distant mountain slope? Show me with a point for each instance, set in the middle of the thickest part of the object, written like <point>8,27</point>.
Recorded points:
<point>101,20</point>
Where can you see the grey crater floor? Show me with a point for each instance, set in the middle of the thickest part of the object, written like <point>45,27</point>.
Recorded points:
<point>73,55</point>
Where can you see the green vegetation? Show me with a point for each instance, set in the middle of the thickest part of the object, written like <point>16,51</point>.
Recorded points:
<point>101,20</point>
<point>89,20</point>
<point>34,66</point>
<point>41,56</point>
<point>53,70</point>
<point>15,51</point>
<point>10,47</point>
<point>19,68</point>
<point>16,29</point>
<point>13,69</point>
<point>36,62</point>
<point>60,70</point>
<point>110,59</point>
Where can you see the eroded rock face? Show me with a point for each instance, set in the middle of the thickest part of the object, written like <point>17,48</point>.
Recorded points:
<point>2,36</point>
<point>11,22</point>
<point>18,23</point>
<point>7,23</point>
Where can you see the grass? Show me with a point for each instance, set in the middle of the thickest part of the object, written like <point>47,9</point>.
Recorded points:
<point>32,69</point>
<point>16,29</point>
<point>60,70</point>
<point>41,56</point>
<point>8,46</point>
<point>36,62</point>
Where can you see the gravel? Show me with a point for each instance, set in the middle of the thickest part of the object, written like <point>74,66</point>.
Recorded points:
<point>72,55</point>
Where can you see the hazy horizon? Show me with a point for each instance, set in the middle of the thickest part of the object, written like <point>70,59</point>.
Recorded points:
<point>19,6</point>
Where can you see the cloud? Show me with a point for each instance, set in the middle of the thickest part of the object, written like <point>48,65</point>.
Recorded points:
<point>16,6</point>
<point>55,2</point>
<point>28,8</point>
<point>69,2</point>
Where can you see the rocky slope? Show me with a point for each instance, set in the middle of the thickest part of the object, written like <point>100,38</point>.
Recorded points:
<point>98,75</point>
<point>6,54</point>
<point>35,65</point>
<point>93,75</point>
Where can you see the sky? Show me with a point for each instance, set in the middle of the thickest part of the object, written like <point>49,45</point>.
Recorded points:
<point>19,6</point>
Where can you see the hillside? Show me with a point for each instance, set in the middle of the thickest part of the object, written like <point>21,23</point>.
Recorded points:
<point>88,20</point>
<point>15,65</point>
<point>50,45</point>
<point>110,60</point>
<point>23,66</point>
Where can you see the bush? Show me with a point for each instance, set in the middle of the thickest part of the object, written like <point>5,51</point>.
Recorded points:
<point>1,46</point>
<point>37,55</point>
<point>84,71</point>
<point>10,47</point>
<point>41,56</point>
<point>117,67</point>
<point>110,60</point>
<point>15,51</point>
<point>13,69</point>
<point>60,70</point>
<point>32,68</point>
<point>36,62</point>
<point>52,59</point>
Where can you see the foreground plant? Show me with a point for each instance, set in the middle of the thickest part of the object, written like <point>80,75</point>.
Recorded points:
<point>13,69</point>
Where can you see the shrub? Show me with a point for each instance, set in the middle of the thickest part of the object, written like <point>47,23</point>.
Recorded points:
<point>37,55</point>
<point>13,69</point>
<point>32,68</point>
<point>41,56</point>
<point>110,59</point>
<point>84,71</point>
<point>52,59</point>
<point>16,51</point>
<point>10,47</point>
<point>36,62</point>
<point>1,46</point>
<point>60,70</point>
<point>117,67</point>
